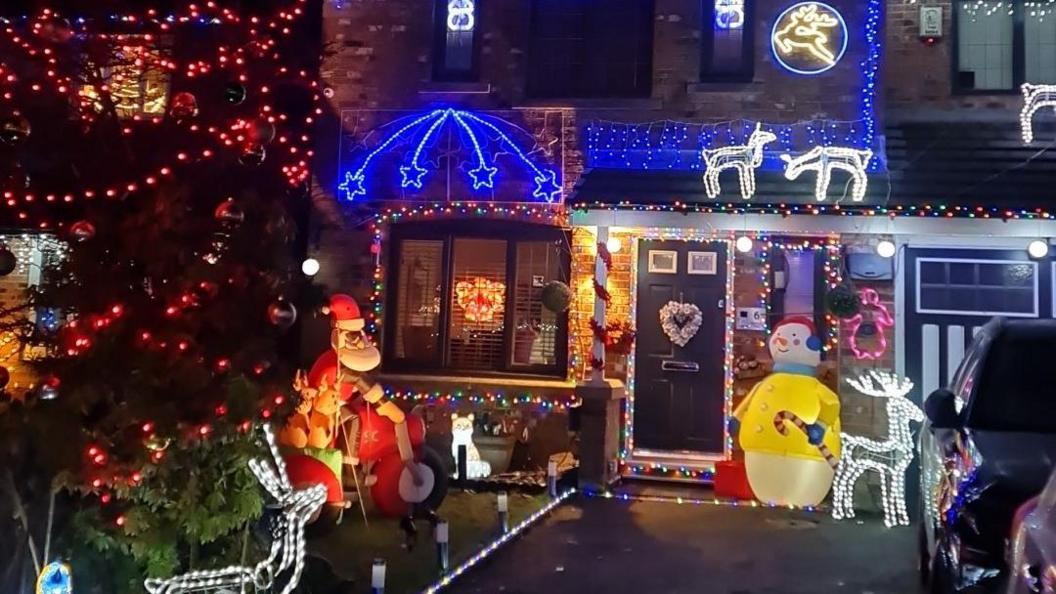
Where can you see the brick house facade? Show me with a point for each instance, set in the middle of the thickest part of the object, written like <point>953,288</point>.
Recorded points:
<point>382,61</point>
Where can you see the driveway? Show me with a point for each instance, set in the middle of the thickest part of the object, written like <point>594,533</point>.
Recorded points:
<point>612,546</point>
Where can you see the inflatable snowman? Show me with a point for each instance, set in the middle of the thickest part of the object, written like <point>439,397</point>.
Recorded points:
<point>789,424</point>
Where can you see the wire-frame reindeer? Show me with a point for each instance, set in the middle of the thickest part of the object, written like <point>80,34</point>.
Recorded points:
<point>744,158</point>
<point>888,457</point>
<point>286,555</point>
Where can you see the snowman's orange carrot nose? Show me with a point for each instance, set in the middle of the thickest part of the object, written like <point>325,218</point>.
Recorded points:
<point>781,341</point>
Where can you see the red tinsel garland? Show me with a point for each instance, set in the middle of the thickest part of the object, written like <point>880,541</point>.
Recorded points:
<point>600,332</point>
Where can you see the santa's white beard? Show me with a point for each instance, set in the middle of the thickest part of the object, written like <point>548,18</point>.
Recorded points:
<point>361,360</point>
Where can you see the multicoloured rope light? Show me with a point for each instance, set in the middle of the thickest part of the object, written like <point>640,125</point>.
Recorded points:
<point>909,210</point>
<point>500,399</point>
<point>695,501</point>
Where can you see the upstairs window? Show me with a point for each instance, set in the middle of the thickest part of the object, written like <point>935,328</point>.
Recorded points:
<point>455,54</point>
<point>727,40</point>
<point>591,48</point>
<point>1001,45</point>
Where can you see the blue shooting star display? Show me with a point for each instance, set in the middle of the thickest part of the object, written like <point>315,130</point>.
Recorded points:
<point>419,144</point>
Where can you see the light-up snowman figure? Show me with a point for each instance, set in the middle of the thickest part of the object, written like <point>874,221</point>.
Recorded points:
<point>789,424</point>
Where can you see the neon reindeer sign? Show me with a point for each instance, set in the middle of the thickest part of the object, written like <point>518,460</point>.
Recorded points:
<point>809,38</point>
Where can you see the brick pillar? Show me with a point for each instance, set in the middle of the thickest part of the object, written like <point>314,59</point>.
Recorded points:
<point>599,435</point>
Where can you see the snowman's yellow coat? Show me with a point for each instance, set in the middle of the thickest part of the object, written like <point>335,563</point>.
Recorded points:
<point>802,395</point>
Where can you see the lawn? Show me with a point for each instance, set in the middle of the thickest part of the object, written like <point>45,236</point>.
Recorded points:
<point>473,520</point>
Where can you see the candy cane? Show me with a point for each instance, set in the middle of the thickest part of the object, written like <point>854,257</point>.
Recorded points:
<point>779,424</point>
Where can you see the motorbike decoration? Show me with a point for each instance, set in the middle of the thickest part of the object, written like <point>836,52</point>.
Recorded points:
<point>345,424</point>
<point>888,457</point>
<point>789,424</point>
<point>285,560</point>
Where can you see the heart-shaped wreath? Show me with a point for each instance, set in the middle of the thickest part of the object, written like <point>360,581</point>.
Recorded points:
<point>680,321</point>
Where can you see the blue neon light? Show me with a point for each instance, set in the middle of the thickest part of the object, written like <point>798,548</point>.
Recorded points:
<point>483,135</point>
<point>842,25</point>
<point>729,14</point>
<point>870,69</point>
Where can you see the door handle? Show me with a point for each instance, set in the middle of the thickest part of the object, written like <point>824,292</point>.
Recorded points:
<point>683,366</point>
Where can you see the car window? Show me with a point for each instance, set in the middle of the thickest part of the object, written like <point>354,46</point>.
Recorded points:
<point>1014,391</point>
<point>964,378</point>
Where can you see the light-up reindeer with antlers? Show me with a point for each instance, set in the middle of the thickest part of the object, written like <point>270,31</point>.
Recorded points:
<point>744,158</point>
<point>888,457</point>
<point>286,554</point>
<point>1035,98</point>
<point>808,29</point>
<point>825,159</point>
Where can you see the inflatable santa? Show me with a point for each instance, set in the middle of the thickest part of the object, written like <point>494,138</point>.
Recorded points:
<point>789,424</point>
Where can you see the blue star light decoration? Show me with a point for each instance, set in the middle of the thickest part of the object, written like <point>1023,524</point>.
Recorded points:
<point>475,130</point>
<point>56,578</point>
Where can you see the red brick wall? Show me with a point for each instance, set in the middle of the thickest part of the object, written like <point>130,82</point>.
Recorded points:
<point>919,76</point>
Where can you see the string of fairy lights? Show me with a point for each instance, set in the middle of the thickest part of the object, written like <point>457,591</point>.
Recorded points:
<point>34,35</point>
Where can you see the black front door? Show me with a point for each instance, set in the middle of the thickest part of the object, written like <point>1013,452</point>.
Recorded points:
<point>679,390</point>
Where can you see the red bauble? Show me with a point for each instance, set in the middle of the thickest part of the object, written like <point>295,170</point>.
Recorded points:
<point>82,230</point>
<point>184,105</point>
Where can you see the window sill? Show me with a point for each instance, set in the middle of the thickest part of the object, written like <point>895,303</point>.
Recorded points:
<point>544,386</point>
<point>696,88</point>
<point>455,88</point>
<point>633,103</point>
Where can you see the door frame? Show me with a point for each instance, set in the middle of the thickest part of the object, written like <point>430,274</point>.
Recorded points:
<point>629,454</point>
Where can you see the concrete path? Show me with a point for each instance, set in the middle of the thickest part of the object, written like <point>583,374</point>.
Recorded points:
<point>615,547</point>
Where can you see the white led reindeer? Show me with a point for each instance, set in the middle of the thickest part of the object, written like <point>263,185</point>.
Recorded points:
<point>824,159</point>
<point>1035,97</point>
<point>287,546</point>
<point>888,457</point>
<point>744,158</point>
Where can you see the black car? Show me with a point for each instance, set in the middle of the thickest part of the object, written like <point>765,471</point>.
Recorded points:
<point>988,445</point>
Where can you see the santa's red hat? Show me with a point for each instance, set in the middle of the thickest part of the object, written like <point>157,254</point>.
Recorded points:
<point>801,320</point>
<point>344,313</point>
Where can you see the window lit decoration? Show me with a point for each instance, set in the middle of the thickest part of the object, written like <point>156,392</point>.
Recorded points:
<point>824,160</point>
<point>729,14</point>
<point>1035,97</point>
<point>136,77</point>
<point>481,299</point>
<point>889,457</point>
<point>285,558</point>
<point>55,578</point>
<point>485,137</point>
<point>873,321</point>
<point>745,159</point>
<point>460,15</point>
<point>809,38</point>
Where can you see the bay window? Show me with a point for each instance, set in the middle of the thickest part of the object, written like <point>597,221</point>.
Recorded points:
<point>468,299</point>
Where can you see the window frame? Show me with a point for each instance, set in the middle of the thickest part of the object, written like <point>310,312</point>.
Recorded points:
<point>707,44</point>
<point>1019,50</point>
<point>642,90</point>
<point>513,234</point>
<point>441,73</point>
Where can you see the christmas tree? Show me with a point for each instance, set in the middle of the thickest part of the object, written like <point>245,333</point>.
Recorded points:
<point>169,146</point>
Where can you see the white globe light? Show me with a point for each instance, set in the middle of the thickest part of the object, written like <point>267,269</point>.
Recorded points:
<point>744,244</point>
<point>613,245</point>
<point>885,249</point>
<point>1038,248</point>
<point>310,267</point>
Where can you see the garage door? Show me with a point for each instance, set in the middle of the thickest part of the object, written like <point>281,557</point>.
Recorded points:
<point>951,293</point>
